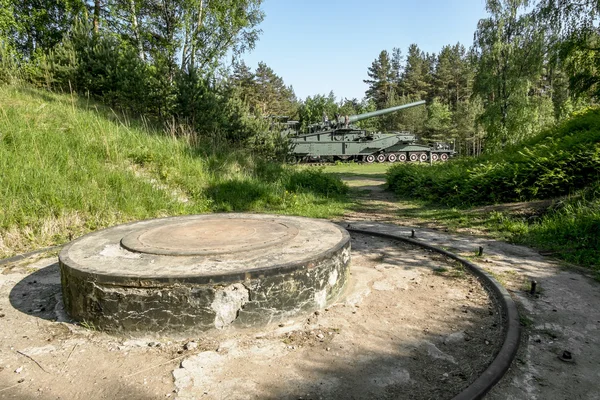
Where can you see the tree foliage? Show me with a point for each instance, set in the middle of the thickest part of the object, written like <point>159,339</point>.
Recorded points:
<point>532,63</point>
<point>381,79</point>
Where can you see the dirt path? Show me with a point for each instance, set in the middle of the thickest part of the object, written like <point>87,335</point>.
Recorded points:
<point>564,315</point>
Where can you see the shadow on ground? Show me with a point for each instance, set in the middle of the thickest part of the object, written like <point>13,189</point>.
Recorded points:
<point>39,294</point>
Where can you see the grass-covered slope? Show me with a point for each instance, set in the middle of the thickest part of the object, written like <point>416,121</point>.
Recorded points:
<point>68,166</point>
<point>554,163</point>
<point>571,229</point>
<point>563,162</point>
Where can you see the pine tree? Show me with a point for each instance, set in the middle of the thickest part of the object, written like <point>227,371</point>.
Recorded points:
<point>273,97</point>
<point>417,74</point>
<point>381,82</point>
<point>243,79</point>
<point>452,79</point>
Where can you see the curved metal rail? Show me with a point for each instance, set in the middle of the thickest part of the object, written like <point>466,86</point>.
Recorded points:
<point>496,370</point>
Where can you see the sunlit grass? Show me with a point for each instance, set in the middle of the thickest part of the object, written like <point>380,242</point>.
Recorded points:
<point>569,230</point>
<point>70,166</point>
<point>374,170</point>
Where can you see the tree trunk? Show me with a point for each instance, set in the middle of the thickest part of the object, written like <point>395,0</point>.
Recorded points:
<point>195,32</point>
<point>96,15</point>
<point>135,28</point>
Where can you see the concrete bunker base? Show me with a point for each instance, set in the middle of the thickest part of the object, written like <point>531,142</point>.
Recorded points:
<point>201,272</point>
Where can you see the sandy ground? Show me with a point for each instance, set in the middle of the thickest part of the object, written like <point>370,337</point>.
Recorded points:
<point>410,324</point>
<point>564,315</point>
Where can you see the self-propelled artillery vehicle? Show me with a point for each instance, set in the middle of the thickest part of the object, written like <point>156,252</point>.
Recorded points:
<point>341,140</point>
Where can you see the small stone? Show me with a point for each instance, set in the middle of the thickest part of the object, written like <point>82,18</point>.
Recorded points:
<point>317,312</point>
<point>281,325</point>
<point>2,315</point>
<point>153,344</point>
<point>190,345</point>
<point>487,342</point>
<point>320,336</point>
<point>327,349</point>
<point>18,370</point>
<point>21,380</point>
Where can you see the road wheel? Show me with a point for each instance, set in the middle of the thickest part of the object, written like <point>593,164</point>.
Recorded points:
<point>370,158</point>
<point>380,157</point>
<point>402,157</point>
<point>392,157</point>
<point>434,156</point>
<point>423,157</point>
<point>444,156</point>
<point>413,157</point>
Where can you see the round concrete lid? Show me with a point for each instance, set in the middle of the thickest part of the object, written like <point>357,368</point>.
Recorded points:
<point>207,236</point>
<point>202,248</point>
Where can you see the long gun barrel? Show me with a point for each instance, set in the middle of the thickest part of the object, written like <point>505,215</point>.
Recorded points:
<point>360,117</point>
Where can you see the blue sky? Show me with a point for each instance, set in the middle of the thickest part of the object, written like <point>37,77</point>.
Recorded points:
<point>319,46</point>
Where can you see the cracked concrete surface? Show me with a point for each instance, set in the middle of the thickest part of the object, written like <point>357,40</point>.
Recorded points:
<point>228,302</point>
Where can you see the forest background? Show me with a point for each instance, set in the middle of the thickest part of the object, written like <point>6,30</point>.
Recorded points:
<point>178,63</point>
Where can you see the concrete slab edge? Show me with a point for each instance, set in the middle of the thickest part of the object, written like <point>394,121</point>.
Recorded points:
<point>24,256</point>
<point>496,370</point>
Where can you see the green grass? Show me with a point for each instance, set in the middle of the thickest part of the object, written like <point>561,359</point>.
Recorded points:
<point>563,162</point>
<point>70,166</point>
<point>569,230</point>
<point>375,170</point>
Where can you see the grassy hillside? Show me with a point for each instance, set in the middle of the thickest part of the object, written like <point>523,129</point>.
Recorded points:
<point>70,166</point>
<point>554,163</point>
<point>563,162</point>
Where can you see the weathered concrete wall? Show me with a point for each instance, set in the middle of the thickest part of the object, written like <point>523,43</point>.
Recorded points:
<point>220,270</point>
<point>180,307</point>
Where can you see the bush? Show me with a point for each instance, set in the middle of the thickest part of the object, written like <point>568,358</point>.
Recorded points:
<point>554,163</point>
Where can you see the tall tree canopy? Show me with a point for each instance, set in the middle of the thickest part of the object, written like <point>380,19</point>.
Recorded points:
<point>381,80</point>
<point>509,51</point>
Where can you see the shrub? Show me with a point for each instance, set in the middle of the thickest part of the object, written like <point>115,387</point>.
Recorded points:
<point>554,163</point>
